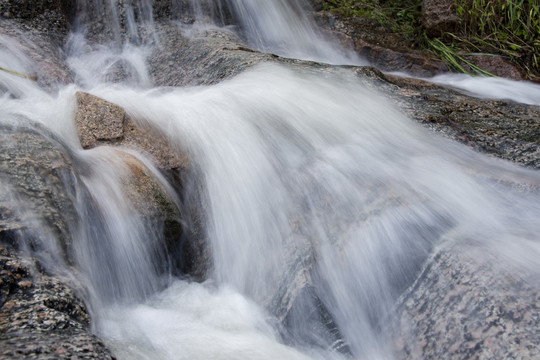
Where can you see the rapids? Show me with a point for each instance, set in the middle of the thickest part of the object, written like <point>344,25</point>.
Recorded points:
<point>305,179</point>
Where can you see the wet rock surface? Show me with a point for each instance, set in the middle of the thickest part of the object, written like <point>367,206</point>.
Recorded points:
<point>503,129</point>
<point>500,128</point>
<point>38,187</point>
<point>203,58</point>
<point>42,52</point>
<point>101,123</point>
<point>465,308</point>
<point>41,317</point>
<point>44,15</point>
<point>37,216</point>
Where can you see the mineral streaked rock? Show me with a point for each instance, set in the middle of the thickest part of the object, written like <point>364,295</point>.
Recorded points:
<point>462,308</point>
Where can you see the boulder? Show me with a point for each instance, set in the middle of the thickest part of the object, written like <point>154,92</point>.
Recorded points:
<point>101,123</point>
<point>40,303</point>
<point>37,30</point>
<point>500,128</point>
<point>40,315</point>
<point>98,120</point>
<point>38,188</point>
<point>207,57</point>
<point>464,307</point>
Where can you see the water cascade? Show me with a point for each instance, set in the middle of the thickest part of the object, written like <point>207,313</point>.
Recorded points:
<point>281,27</point>
<point>322,201</point>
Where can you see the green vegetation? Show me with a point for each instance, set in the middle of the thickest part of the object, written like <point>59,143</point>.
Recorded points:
<point>402,16</point>
<point>509,28</point>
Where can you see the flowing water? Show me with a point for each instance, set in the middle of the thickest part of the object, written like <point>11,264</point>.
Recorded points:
<point>309,182</point>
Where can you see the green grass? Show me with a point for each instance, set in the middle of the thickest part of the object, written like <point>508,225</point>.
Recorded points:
<point>402,16</point>
<point>509,28</point>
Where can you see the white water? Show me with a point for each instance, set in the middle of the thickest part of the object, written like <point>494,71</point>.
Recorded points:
<point>293,164</point>
<point>492,88</point>
<point>282,27</point>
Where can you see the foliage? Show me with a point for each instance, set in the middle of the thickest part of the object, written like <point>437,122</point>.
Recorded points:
<point>455,59</point>
<point>510,28</point>
<point>507,27</point>
<point>402,16</point>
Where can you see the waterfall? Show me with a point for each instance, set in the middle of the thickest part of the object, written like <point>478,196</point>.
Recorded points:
<point>281,27</point>
<point>296,166</point>
<point>314,188</point>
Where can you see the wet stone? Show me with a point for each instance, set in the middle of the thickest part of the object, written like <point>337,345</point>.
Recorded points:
<point>41,317</point>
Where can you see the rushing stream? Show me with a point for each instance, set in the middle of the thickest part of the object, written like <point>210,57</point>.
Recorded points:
<point>305,179</point>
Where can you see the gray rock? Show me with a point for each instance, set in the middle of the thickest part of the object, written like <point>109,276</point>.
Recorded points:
<point>42,48</point>
<point>101,123</point>
<point>500,128</point>
<point>38,188</point>
<point>44,15</point>
<point>98,120</point>
<point>207,57</point>
<point>463,307</point>
<point>439,16</point>
<point>40,184</point>
<point>41,317</point>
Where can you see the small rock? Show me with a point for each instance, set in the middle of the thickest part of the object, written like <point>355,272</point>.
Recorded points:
<point>98,120</point>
